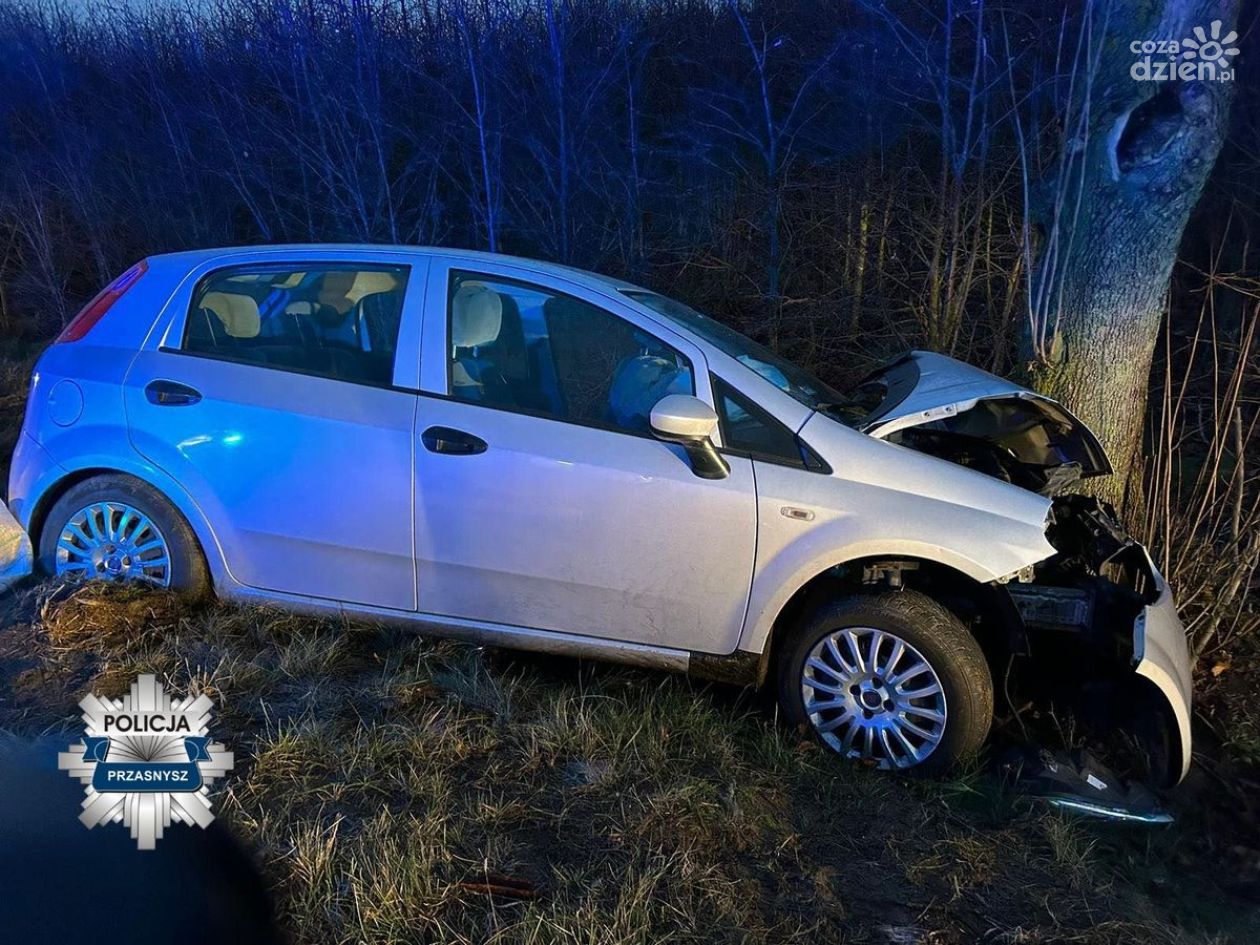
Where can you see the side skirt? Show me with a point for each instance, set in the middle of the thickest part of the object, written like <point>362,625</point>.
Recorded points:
<point>475,631</point>
<point>740,668</point>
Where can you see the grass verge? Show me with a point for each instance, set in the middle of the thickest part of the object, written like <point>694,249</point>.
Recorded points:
<point>397,789</point>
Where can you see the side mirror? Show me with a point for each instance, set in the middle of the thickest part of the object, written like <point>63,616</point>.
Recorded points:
<point>691,423</point>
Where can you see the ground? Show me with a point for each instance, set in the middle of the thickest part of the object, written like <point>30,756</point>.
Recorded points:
<point>390,786</point>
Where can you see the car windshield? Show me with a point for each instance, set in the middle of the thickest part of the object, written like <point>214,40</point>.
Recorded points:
<point>790,378</point>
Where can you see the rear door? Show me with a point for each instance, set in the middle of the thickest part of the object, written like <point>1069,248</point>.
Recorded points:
<point>273,391</point>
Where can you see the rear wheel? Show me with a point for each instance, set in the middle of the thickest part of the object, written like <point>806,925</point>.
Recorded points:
<point>117,528</point>
<point>892,678</point>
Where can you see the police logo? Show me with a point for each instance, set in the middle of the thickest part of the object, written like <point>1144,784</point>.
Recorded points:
<point>146,760</point>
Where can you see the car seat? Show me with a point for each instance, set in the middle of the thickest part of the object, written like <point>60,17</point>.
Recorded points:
<point>587,351</point>
<point>638,385</point>
<point>376,319</point>
<point>222,319</point>
<point>476,320</point>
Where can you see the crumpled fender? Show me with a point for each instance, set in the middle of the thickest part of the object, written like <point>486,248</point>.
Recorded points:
<point>1162,655</point>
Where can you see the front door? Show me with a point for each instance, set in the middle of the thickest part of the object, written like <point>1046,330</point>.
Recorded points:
<point>271,400</point>
<point>542,499</point>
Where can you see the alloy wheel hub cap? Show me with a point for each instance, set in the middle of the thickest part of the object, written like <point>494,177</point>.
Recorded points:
<point>114,541</point>
<point>872,699</point>
<point>871,695</point>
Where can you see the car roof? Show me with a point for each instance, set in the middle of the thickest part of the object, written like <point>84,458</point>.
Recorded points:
<point>197,257</point>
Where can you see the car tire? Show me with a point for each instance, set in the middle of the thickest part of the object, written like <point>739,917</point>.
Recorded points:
<point>186,571</point>
<point>824,687</point>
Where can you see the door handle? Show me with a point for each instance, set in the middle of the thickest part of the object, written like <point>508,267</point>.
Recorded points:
<point>171,394</point>
<point>452,442</point>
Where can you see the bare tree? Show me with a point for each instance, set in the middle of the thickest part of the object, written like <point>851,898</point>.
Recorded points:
<point>475,41</point>
<point>1107,216</point>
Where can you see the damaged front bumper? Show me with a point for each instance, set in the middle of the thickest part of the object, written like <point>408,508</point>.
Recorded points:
<point>1162,655</point>
<point>1103,635</point>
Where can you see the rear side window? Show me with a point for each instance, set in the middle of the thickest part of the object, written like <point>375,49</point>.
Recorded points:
<point>339,322</point>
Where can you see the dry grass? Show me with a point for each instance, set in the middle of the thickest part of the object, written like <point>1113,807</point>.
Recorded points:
<point>381,778</point>
<point>1202,521</point>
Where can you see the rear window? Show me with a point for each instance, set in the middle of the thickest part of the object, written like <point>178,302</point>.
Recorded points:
<point>339,322</point>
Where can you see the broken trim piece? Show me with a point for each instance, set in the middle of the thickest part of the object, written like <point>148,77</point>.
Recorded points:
<point>1074,780</point>
<point>17,559</point>
<point>1093,809</point>
<point>1162,655</point>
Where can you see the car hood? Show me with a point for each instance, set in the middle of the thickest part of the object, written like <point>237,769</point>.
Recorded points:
<point>950,407</point>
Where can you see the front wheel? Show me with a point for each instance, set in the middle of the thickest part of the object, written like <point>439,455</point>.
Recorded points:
<point>891,678</point>
<point>115,527</point>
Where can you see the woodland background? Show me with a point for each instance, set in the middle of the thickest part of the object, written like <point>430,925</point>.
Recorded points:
<point>841,181</point>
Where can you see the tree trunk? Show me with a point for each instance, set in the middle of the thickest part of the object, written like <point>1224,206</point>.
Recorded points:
<point>1136,157</point>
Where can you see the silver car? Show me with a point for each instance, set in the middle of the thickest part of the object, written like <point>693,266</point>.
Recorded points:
<point>530,456</point>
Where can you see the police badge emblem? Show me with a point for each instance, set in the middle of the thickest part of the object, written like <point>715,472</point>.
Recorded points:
<point>146,760</point>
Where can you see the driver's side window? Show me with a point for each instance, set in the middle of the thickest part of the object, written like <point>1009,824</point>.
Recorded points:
<point>524,348</point>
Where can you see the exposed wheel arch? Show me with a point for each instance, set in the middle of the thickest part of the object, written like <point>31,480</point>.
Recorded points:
<point>39,514</point>
<point>986,609</point>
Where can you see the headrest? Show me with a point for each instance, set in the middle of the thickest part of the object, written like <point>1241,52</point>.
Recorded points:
<point>343,288</point>
<point>370,282</point>
<point>238,313</point>
<point>334,287</point>
<point>476,315</point>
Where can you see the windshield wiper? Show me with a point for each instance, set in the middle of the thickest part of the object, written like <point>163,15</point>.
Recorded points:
<point>849,413</point>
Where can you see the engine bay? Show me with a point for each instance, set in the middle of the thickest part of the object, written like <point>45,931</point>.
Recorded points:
<point>1011,439</point>
<point>1100,578</point>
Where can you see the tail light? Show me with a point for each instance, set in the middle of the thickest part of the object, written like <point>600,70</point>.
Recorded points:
<point>95,310</point>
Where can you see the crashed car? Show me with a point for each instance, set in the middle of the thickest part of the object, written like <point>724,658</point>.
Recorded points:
<point>530,456</point>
